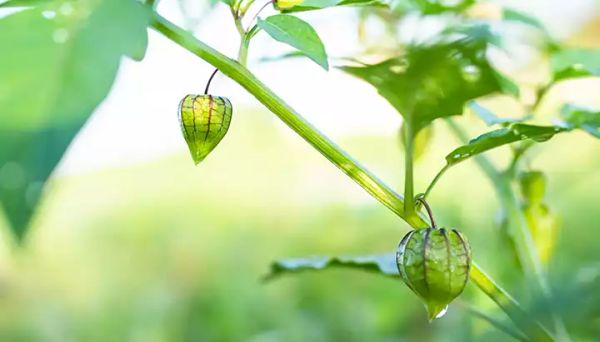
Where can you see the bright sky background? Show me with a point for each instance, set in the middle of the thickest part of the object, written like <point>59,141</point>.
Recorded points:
<point>145,97</point>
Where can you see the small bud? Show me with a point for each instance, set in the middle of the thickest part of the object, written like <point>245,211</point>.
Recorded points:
<point>533,186</point>
<point>286,4</point>
<point>544,227</point>
<point>435,264</point>
<point>204,122</point>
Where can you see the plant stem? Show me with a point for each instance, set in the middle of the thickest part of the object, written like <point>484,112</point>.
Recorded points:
<point>509,305</point>
<point>244,9</point>
<point>266,96</point>
<point>409,151</point>
<point>209,81</point>
<point>494,321</point>
<point>435,180</point>
<point>526,250</point>
<point>257,14</point>
<point>243,52</point>
<point>321,143</point>
<point>238,22</point>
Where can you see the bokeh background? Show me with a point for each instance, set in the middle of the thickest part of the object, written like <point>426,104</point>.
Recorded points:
<point>132,242</point>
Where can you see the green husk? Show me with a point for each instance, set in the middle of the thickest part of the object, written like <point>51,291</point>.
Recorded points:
<point>435,264</point>
<point>204,122</point>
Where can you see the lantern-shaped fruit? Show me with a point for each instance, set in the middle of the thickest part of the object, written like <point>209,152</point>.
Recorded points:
<point>204,122</point>
<point>435,264</point>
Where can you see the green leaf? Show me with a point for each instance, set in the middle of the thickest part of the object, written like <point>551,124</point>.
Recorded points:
<point>22,3</point>
<point>434,81</point>
<point>481,32</point>
<point>288,55</point>
<point>500,137</point>
<point>574,63</point>
<point>297,33</point>
<point>63,59</point>
<point>80,57</point>
<point>440,6</point>
<point>384,264</point>
<point>582,118</point>
<point>490,118</point>
<point>26,161</point>
<point>310,5</point>
<point>509,14</point>
<point>319,3</point>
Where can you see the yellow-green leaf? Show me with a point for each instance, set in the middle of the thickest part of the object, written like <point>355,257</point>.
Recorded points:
<point>296,32</point>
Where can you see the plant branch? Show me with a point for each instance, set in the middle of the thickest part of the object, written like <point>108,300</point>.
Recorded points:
<point>243,9</point>
<point>297,123</point>
<point>257,14</point>
<point>526,249</point>
<point>435,180</point>
<point>321,143</point>
<point>509,330</point>
<point>409,151</point>
<point>243,52</point>
<point>521,318</point>
<point>238,21</point>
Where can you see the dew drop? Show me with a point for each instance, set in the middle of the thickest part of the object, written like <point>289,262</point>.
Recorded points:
<point>49,14</point>
<point>60,36</point>
<point>471,73</point>
<point>442,313</point>
<point>397,69</point>
<point>456,155</point>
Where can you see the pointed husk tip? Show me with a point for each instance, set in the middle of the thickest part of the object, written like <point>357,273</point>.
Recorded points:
<point>435,311</point>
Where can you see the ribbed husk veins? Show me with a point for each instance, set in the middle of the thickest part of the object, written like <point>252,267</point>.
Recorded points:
<point>435,264</point>
<point>204,121</point>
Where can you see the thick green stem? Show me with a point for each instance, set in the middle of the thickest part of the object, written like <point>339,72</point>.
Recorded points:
<point>409,149</point>
<point>526,250</point>
<point>238,21</point>
<point>326,147</point>
<point>266,96</point>
<point>243,53</point>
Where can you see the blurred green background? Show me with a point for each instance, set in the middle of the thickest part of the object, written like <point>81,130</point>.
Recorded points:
<point>157,249</point>
<point>165,251</point>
